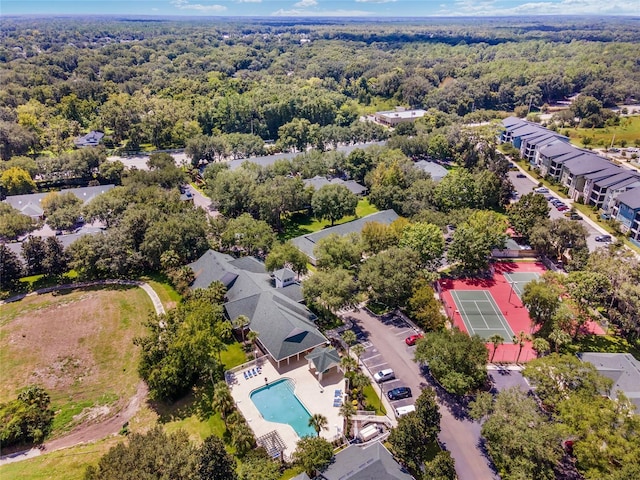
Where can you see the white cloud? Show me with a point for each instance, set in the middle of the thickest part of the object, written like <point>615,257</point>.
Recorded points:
<point>249,1</point>
<point>320,13</point>
<point>305,3</point>
<point>543,7</point>
<point>185,5</point>
<point>375,1</point>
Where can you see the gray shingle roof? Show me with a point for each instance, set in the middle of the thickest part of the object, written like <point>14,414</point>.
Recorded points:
<point>622,368</point>
<point>437,172</point>
<point>373,462</point>
<point>556,149</point>
<point>273,313</point>
<point>318,182</point>
<point>586,163</point>
<point>624,177</point>
<point>306,243</point>
<point>31,202</point>
<point>324,358</point>
<point>631,198</point>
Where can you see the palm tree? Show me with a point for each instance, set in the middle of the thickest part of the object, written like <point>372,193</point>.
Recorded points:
<point>496,341</point>
<point>242,438</point>
<point>358,349</point>
<point>347,410</point>
<point>559,338</point>
<point>241,322</point>
<point>318,422</point>
<point>358,382</point>
<point>348,364</point>
<point>252,336</point>
<point>540,345</point>
<point>520,339</point>
<point>223,401</point>
<point>349,338</point>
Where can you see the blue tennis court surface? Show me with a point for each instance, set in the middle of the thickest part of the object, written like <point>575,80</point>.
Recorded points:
<point>481,315</point>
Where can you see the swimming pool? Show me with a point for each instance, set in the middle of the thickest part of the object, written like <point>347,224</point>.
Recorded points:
<point>277,402</point>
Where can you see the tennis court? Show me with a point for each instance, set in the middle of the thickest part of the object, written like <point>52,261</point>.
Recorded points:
<point>518,280</point>
<point>480,314</point>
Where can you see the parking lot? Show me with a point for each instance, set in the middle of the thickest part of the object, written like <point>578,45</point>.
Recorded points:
<point>373,359</point>
<point>527,184</point>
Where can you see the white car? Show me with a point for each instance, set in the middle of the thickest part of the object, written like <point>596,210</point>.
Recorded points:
<point>384,375</point>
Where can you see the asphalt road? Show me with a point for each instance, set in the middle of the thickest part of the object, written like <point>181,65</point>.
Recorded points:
<point>527,184</point>
<point>384,339</point>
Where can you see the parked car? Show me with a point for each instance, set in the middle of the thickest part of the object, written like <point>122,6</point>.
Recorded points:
<point>399,393</point>
<point>384,375</point>
<point>541,190</point>
<point>521,175</point>
<point>575,216</point>
<point>603,238</point>
<point>562,208</point>
<point>412,339</point>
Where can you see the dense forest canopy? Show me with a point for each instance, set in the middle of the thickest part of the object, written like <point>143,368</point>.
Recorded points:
<point>162,82</point>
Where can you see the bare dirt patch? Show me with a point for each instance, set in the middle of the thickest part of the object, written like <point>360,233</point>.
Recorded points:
<point>79,346</point>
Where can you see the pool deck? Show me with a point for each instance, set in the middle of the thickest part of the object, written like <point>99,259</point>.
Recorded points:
<point>317,397</point>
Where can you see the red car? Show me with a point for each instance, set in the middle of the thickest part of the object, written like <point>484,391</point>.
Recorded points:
<point>413,339</point>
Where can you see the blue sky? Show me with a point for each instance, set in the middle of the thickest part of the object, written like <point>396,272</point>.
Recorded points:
<point>345,8</point>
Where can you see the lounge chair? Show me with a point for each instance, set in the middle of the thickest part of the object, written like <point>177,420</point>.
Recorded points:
<point>254,372</point>
<point>337,402</point>
<point>246,376</point>
<point>338,393</point>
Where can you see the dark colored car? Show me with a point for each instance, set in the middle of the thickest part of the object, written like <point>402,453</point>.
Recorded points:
<point>521,175</point>
<point>412,339</point>
<point>603,238</point>
<point>399,393</point>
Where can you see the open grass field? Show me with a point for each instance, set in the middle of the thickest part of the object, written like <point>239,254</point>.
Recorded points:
<point>78,345</point>
<point>301,224</point>
<point>67,464</point>
<point>628,130</point>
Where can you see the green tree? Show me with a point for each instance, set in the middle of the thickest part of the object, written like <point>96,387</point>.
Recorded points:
<point>377,237</point>
<point>558,377</point>
<point>332,202</point>
<point>318,422</point>
<point>338,251</point>
<point>279,195</point>
<point>541,346</point>
<point>456,190</point>
<point>153,455</point>
<point>214,463</point>
<point>222,402</point>
<point>332,289</point>
<point>33,253</point>
<point>347,411</point>
<point>27,419</point>
<point>528,212</point>
<point>257,465</point>
<point>13,223</point>
<point>388,276</point>
<point>349,338</point>
<point>253,237</point>
<point>442,467</point>
<point>521,442</point>
<point>474,239</point>
<point>241,322</point>
<point>455,359</point>
<point>313,454</point>
<point>605,433</point>
<point>61,209</point>
<point>423,307</point>
<point>286,254</point>
<point>427,240</point>
<point>232,191</point>
<point>16,181</point>
<point>542,300</point>
<point>242,438</point>
<point>10,267</point>
<point>559,337</point>
<point>520,339</point>
<point>495,340</point>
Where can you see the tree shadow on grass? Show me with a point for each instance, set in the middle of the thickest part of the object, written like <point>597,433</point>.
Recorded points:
<point>174,411</point>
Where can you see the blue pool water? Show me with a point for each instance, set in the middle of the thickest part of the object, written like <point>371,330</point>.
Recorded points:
<point>276,402</point>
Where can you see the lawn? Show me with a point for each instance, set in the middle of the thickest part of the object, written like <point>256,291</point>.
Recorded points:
<point>628,130</point>
<point>168,295</point>
<point>373,400</point>
<point>67,464</point>
<point>78,345</point>
<point>301,224</point>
